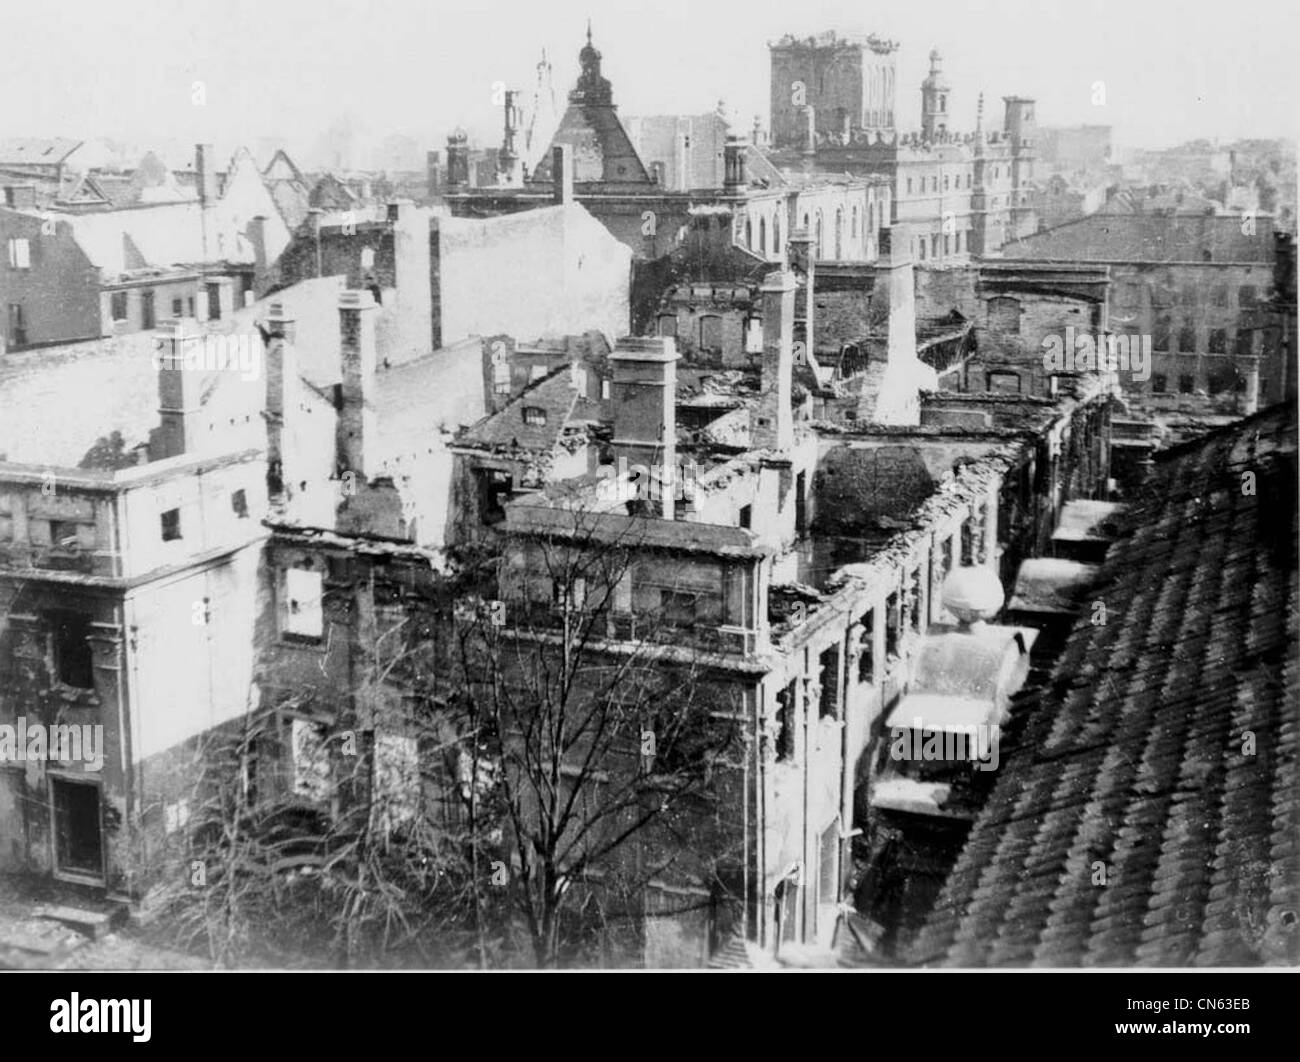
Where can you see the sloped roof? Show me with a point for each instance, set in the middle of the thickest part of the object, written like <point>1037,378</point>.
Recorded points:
<point>159,235</point>
<point>1146,238</point>
<point>1165,749</point>
<point>36,151</point>
<point>555,394</point>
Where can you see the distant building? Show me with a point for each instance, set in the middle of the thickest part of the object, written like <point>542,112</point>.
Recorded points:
<point>1199,286</point>
<point>198,255</point>
<point>959,194</point>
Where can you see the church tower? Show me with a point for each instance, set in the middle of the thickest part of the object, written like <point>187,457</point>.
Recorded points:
<point>934,100</point>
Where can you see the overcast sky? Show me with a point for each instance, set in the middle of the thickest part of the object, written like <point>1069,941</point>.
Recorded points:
<point>288,68</point>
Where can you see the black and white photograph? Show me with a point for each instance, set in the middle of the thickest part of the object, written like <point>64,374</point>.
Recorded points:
<point>707,487</point>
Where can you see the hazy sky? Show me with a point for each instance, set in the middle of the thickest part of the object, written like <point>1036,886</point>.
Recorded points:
<point>1172,70</point>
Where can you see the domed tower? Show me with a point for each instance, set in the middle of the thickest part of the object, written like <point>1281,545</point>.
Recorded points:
<point>591,87</point>
<point>934,100</point>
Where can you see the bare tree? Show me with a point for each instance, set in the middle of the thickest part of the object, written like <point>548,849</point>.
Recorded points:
<point>602,735</point>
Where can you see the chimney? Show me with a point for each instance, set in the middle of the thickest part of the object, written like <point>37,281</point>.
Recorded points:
<point>810,130</point>
<point>734,180</point>
<point>897,397</point>
<point>457,161</point>
<point>412,277</point>
<point>801,247</point>
<point>20,196</point>
<point>257,237</point>
<point>644,394</point>
<point>356,430</point>
<point>562,174</point>
<point>281,381</point>
<point>179,389</point>
<point>206,173</point>
<point>774,423</point>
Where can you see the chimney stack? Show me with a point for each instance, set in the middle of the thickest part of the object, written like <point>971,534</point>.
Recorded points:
<point>457,161</point>
<point>205,173</point>
<point>774,422</point>
<point>179,389</point>
<point>645,413</point>
<point>257,237</point>
<point>810,130</point>
<point>801,248</point>
<point>356,429</point>
<point>562,173</point>
<point>281,381</point>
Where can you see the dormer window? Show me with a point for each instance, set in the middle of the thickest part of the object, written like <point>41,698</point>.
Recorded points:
<point>534,415</point>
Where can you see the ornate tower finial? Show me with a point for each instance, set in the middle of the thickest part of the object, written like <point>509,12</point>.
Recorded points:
<point>588,29</point>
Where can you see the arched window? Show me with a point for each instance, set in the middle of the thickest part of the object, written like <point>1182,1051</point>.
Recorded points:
<point>821,246</point>
<point>853,223</point>
<point>777,249</point>
<point>839,234</point>
<point>749,234</point>
<point>762,235</point>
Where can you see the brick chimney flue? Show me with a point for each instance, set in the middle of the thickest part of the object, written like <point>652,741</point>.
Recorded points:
<point>773,427</point>
<point>562,173</point>
<point>357,422</point>
<point>645,416</point>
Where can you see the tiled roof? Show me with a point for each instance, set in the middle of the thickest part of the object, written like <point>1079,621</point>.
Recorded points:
<point>1163,751</point>
<point>555,395</point>
<point>1144,238</point>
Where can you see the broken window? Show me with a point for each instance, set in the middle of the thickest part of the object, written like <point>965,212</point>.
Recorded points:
<point>396,780</point>
<point>239,504</point>
<point>311,761</point>
<point>501,378</point>
<point>867,647</point>
<point>968,541</point>
<point>829,679</point>
<point>494,489</point>
<point>70,648</point>
<point>535,415</point>
<point>828,880</point>
<point>1218,343</point>
<point>893,624</point>
<point>786,701</point>
<point>303,617</point>
<point>746,516</point>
